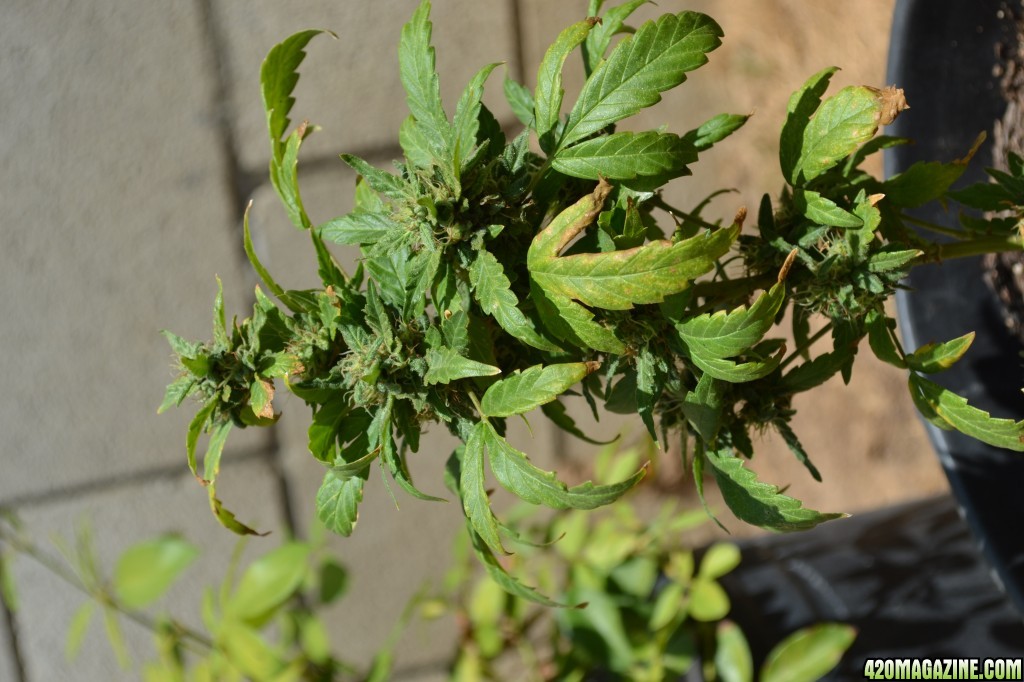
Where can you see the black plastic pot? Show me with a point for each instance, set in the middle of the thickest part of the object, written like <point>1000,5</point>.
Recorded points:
<point>943,52</point>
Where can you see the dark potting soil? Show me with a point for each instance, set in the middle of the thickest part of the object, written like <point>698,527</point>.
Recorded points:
<point>1004,272</point>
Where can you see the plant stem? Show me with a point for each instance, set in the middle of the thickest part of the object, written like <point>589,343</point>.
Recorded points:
<point>660,203</point>
<point>933,227</point>
<point>810,342</point>
<point>974,247</point>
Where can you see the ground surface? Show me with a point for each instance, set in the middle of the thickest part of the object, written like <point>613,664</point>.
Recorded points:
<point>132,138</point>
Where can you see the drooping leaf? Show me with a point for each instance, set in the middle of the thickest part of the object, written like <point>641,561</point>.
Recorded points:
<point>927,181</point>
<point>547,98</point>
<point>841,124</point>
<point>499,575</point>
<point>760,504</point>
<point>382,439</point>
<point>493,292</point>
<point>519,476</point>
<point>146,570</point>
<point>177,391</point>
<point>802,105</point>
<point>419,78</point>
<point>473,491</point>
<point>714,130</point>
<point>284,176</point>
<point>572,322</point>
<point>225,516</point>
<point>600,37</point>
<point>703,408</point>
<point>195,428</point>
<point>936,357</point>
<point>626,155</point>
<point>796,447</point>
<point>955,411</point>
<point>269,581</point>
<point>446,365</point>
<point>651,374</point>
<point>738,372</point>
<point>817,371</point>
<point>654,59</point>
<point>809,654</point>
<point>556,412</point>
<point>727,334</point>
<point>823,211</point>
<point>883,343</point>
<point>620,279</point>
<point>337,502</point>
<point>523,391</point>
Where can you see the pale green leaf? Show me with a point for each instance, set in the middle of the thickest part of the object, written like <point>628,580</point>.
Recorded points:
<point>721,558</point>
<point>415,144</point>
<point>547,99</point>
<point>936,357</point>
<point>246,650</point>
<point>269,581</point>
<point>842,123</point>
<point>177,391</point>
<point>446,365</point>
<point>802,105</point>
<point>654,59</point>
<point>115,637</point>
<point>284,176</point>
<point>572,322</point>
<point>760,504</point>
<point>954,410</point>
<point>220,327</point>
<point>520,100</point>
<point>886,261</point>
<point>473,491</point>
<point>77,629</point>
<point>809,654</point>
<point>727,334</point>
<point>733,660</point>
<point>492,291</point>
<point>214,450</point>
<point>337,502</point>
<point>379,181</point>
<point>519,476</point>
<point>525,390</point>
<point>708,601</point>
<point>670,603</point>
<point>419,78</point>
<point>625,156</point>
<point>145,571</point>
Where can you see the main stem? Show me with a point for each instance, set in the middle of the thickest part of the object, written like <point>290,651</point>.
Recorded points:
<point>973,247</point>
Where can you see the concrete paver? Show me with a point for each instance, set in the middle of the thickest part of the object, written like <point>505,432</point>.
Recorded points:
<point>116,221</point>
<point>120,518</point>
<point>351,86</point>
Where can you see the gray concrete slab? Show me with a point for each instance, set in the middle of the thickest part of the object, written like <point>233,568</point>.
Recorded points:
<point>8,666</point>
<point>119,518</point>
<point>351,86</point>
<point>116,220</point>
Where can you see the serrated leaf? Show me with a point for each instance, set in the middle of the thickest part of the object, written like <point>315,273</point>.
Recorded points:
<point>841,124</point>
<point>883,343</point>
<point>760,504</point>
<point>473,492</point>
<point>284,176</point>
<point>809,654</point>
<point>446,365</point>
<point>225,516</point>
<point>572,322</point>
<point>600,36</point>
<point>737,372</point>
<point>466,123</point>
<point>703,407</point>
<point>955,411</point>
<point>415,144</point>
<point>654,59</point>
<point>177,391</point>
<point>802,105</point>
<point>651,375</point>
<point>520,477</point>
<point>220,328</point>
<point>936,357</point>
<point>625,156</point>
<point>620,279</point>
<point>823,211</point>
<point>714,130</point>
<point>195,428</point>
<point>499,575</point>
<point>278,77</point>
<point>379,181</point>
<point>493,292</point>
<point>337,502</point>
<point>419,78</point>
<point>358,227</point>
<point>523,391</point>
<point>264,274</point>
<point>887,261</point>
<point>145,571</point>
<point>181,347</point>
<point>547,99</point>
<point>214,450</point>
<point>556,412</point>
<point>927,181</point>
<point>816,372</point>
<point>727,334</point>
<point>382,439</point>
<point>520,100</point>
<point>796,447</point>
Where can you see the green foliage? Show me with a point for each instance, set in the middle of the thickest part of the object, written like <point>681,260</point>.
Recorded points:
<point>491,269</point>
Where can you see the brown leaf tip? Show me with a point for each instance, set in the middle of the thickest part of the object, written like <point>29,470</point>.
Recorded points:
<point>787,265</point>
<point>892,101</point>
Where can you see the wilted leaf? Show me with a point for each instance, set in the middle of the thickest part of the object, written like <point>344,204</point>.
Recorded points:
<point>445,365</point>
<point>547,98</point>
<point>523,391</point>
<point>936,357</point>
<point>727,334</point>
<point>954,410</point>
<point>626,155</point>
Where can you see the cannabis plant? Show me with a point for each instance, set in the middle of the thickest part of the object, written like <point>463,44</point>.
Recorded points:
<point>499,275</point>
